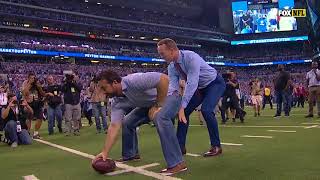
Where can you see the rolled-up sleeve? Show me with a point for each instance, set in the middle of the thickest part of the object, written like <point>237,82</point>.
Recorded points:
<point>117,114</point>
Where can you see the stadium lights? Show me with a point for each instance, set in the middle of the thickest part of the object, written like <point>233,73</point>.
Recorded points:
<point>93,61</point>
<point>142,37</point>
<point>117,35</point>
<point>86,1</point>
<point>98,3</point>
<point>155,39</point>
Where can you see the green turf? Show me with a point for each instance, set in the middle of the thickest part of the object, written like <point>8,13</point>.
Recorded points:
<point>286,156</point>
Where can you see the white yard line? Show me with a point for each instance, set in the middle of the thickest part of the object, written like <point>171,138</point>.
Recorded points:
<point>231,144</point>
<point>126,171</point>
<point>309,127</point>
<point>120,165</point>
<point>193,155</point>
<point>30,177</point>
<point>284,131</point>
<point>250,136</point>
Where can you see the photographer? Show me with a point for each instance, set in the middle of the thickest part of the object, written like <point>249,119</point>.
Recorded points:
<point>99,102</point>
<point>230,98</point>
<point>33,93</point>
<point>15,116</point>
<point>54,104</point>
<point>72,89</point>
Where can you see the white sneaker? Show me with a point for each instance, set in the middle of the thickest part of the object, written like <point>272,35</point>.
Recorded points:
<point>14,145</point>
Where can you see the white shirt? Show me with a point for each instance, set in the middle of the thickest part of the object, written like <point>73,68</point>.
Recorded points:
<point>311,76</point>
<point>3,99</point>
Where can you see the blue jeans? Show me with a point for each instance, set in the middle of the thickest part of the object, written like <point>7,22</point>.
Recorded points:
<point>98,111</point>
<point>10,131</point>
<point>282,97</point>
<point>209,98</point>
<point>54,114</point>
<point>165,129</point>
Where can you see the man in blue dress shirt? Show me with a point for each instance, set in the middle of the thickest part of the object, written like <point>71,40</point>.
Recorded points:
<point>132,98</point>
<point>203,86</point>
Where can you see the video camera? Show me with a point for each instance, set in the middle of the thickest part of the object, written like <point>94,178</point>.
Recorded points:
<point>69,77</point>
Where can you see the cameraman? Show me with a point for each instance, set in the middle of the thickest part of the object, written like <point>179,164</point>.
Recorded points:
<point>72,89</point>
<point>33,93</point>
<point>99,102</point>
<point>54,104</point>
<point>230,98</point>
<point>15,117</point>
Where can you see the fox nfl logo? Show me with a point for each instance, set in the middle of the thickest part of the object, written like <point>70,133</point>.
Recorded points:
<point>293,13</point>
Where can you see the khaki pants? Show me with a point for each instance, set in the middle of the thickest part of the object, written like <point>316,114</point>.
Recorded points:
<point>72,117</point>
<point>314,96</point>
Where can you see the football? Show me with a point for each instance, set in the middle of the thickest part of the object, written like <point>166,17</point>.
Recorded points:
<point>104,166</point>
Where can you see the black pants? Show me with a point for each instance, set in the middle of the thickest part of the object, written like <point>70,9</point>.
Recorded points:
<point>301,101</point>
<point>231,102</point>
<point>266,99</point>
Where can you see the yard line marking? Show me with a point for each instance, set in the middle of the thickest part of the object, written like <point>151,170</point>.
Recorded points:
<point>231,144</point>
<point>120,165</point>
<point>193,155</point>
<point>309,127</point>
<point>284,131</point>
<point>30,177</point>
<point>312,123</point>
<point>229,126</point>
<point>126,171</point>
<point>250,136</point>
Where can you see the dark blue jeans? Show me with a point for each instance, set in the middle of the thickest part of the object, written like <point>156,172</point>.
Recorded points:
<point>165,128</point>
<point>11,134</point>
<point>98,111</point>
<point>209,98</point>
<point>54,114</point>
<point>283,97</point>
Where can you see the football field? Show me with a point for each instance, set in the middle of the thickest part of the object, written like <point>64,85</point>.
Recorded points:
<point>261,148</point>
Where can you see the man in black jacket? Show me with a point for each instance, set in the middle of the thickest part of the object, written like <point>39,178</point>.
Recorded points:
<point>54,100</point>
<point>72,90</point>
<point>230,98</point>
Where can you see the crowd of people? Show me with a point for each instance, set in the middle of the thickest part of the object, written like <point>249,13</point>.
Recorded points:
<point>41,18</point>
<point>118,48</point>
<point>121,12</point>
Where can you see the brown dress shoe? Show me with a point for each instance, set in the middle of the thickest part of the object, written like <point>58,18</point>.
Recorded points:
<point>214,151</point>
<point>174,170</point>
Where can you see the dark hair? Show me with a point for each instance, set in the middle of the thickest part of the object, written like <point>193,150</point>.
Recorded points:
<point>170,44</point>
<point>109,76</point>
<point>31,74</point>
<point>10,95</point>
